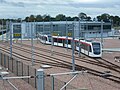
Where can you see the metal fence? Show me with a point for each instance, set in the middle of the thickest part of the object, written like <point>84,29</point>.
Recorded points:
<point>20,69</point>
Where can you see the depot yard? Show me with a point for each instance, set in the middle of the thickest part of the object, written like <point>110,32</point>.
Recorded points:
<point>85,81</point>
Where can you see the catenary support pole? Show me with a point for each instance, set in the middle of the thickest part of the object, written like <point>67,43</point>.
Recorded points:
<point>6,30</point>
<point>79,39</point>
<point>102,32</point>
<point>2,31</point>
<point>73,58</point>
<point>10,39</point>
<point>21,31</point>
<point>32,47</point>
<point>67,34</point>
<point>51,24</point>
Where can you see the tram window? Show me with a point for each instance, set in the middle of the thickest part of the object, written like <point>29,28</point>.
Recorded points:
<point>85,47</point>
<point>96,48</point>
<point>96,45</point>
<point>60,40</point>
<point>63,41</point>
<point>55,39</point>
<point>81,45</point>
<point>90,50</point>
<point>69,41</point>
<point>66,41</point>
<point>49,38</point>
<point>45,38</point>
<point>77,44</point>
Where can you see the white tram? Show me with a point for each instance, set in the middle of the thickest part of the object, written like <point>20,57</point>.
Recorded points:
<point>88,47</point>
<point>46,39</point>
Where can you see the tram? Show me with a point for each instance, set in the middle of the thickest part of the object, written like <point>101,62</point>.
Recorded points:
<point>88,47</point>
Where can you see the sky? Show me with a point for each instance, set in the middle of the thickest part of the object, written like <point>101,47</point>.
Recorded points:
<point>23,8</point>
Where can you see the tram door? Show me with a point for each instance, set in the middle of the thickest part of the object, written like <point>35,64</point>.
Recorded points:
<point>88,48</point>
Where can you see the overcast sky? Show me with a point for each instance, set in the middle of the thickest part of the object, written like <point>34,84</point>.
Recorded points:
<point>23,8</point>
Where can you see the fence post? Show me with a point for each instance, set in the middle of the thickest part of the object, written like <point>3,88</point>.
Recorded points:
<point>4,60</point>
<point>12,65</point>
<point>22,68</point>
<point>52,82</point>
<point>16,67</point>
<point>0,58</point>
<point>28,72</point>
<point>35,79</point>
<point>40,79</point>
<point>8,61</point>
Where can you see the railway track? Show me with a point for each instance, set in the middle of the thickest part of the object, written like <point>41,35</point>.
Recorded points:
<point>58,63</point>
<point>95,61</point>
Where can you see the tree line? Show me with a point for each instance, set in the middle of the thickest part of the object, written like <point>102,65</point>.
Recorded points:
<point>115,20</point>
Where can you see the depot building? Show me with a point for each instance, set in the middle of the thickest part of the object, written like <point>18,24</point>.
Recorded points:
<point>80,29</point>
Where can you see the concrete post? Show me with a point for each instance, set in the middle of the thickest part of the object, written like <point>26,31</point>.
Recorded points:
<point>52,82</point>
<point>40,79</point>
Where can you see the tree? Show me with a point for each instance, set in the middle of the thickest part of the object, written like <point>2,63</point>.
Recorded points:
<point>69,18</point>
<point>105,17</point>
<point>116,21</point>
<point>60,17</point>
<point>82,16</point>
<point>26,19</point>
<point>75,18</point>
<point>88,18</point>
<point>46,17</point>
<point>31,18</point>
<point>39,18</point>
<point>19,20</point>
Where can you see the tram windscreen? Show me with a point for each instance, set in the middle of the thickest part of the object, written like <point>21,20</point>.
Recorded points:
<point>96,48</point>
<point>49,38</point>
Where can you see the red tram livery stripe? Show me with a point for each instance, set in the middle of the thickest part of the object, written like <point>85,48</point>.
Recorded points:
<point>74,40</point>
